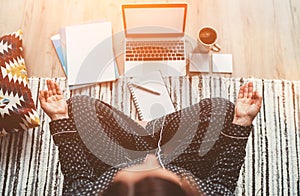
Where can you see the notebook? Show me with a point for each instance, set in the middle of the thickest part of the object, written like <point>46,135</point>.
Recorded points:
<point>150,96</point>
<point>59,51</point>
<point>88,53</point>
<point>154,39</point>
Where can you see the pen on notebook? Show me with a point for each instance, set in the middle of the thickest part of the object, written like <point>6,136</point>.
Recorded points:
<point>145,88</point>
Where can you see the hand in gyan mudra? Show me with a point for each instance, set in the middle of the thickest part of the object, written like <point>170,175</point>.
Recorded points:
<point>53,102</point>
<point>247,105</point>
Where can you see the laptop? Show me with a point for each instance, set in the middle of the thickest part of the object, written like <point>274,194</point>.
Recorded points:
<point>154,39</point>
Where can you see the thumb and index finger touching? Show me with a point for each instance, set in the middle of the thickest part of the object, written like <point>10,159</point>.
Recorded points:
<point>53,89</point>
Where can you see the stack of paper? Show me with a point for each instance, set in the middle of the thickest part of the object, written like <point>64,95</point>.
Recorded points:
<point>86,53</point>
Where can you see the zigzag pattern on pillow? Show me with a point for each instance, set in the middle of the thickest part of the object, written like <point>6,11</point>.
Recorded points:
<point>17,109</point>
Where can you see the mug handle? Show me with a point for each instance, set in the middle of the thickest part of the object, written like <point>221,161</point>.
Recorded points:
<point>216,47</point>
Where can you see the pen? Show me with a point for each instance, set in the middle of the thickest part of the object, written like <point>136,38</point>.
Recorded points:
<point>145,88</point>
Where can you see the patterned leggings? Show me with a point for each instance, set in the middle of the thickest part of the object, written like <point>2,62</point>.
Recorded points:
<point>186,138</point>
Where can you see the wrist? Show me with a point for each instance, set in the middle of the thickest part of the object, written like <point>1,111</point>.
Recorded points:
<point>242,121</point>
<point>59,116</point>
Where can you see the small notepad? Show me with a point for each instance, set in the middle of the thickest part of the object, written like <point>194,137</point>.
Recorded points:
<point>221,63</point>
<point>199,62</point>
<point>151,105</point>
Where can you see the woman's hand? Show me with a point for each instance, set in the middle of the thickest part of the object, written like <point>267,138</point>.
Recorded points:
<point>247,106</point>
<point>53,102</point>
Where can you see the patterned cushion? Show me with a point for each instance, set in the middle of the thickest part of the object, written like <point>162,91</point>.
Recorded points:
<point>17,109</point>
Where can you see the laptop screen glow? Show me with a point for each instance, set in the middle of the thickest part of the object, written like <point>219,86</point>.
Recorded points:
<point>154,21</point>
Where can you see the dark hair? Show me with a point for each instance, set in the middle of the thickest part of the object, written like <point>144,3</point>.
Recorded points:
<point>149,186</point>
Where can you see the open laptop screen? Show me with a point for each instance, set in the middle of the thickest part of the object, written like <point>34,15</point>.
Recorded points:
<point>154,20</point>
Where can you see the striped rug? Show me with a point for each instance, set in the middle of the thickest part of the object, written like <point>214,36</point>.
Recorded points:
<point>29,160</point>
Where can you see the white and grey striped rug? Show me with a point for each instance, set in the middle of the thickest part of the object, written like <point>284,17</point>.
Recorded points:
<point>29,160</point>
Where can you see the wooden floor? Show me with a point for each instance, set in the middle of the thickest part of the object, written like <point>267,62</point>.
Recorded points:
<point>263,36</point>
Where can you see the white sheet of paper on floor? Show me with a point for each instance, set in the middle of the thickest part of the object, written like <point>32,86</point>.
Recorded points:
<point>199,62</point>
<point>222,63</point>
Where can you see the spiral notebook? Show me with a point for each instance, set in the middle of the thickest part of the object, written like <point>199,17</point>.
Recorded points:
<point>151,96</point>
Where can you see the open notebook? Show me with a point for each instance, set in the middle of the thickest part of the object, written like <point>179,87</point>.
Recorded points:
<point>151,96</point>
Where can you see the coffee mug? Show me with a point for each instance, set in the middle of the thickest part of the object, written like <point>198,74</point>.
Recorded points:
<point>207,37</point>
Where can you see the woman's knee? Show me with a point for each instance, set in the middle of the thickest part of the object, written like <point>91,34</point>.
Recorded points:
<point>80,104</point>
<point>218,104</point>
<point>223,102</point>
<point>79,98</point>
<point>85,103</point>
<point>224,106</point>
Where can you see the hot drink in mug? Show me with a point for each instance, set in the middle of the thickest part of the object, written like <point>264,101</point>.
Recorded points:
<point>207,37</point>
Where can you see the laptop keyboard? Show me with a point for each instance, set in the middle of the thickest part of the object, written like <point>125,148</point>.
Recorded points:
<point>155,50</point>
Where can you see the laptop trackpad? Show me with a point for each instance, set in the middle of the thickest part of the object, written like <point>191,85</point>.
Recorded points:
<point>136,69</point>
<point>153,66</point>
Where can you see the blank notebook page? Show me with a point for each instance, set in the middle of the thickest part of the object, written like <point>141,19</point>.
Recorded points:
<point>148,104</point>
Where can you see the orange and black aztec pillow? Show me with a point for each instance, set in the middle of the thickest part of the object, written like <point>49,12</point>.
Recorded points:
<point>17,109</point>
